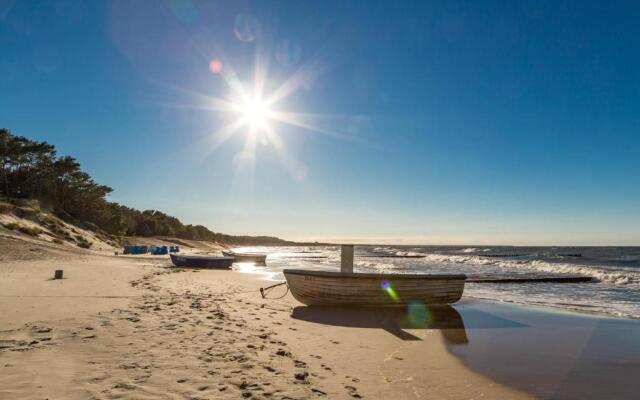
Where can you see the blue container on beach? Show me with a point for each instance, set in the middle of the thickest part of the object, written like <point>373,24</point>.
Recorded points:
<point>160,250</point>
<point>135,249</point>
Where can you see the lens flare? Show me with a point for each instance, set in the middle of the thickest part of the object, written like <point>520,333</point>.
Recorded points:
<point>386,286</point>
<point>419,315</point>
<point>288,53</point>
<point>246,28</point>
<point>215,66</point>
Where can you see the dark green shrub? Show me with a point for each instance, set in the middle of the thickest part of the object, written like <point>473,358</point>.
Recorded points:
<point>84,244</point>
<point>11,225</point>
<point>29,231</point>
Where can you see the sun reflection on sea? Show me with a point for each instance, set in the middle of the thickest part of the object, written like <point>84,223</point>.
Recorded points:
<point>247,267</point>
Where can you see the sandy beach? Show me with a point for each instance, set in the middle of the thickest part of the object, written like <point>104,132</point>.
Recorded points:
<point>119,327</point>
<point>137,328</point>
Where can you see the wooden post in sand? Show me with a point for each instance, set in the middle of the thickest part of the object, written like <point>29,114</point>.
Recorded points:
<point>346,259</point>
<point>58,274</point>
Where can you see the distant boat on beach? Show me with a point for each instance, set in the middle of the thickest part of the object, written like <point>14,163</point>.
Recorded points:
<point>257,258</point>
<point>325,288</point>
<point>198,261</point>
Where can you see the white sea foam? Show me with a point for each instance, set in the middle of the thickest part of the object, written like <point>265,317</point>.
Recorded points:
<point>372,266</point>
<point>388,251</point>
<point>602,274</point>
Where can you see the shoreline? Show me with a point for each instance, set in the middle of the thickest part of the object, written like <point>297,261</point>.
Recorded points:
<point>161,322</point>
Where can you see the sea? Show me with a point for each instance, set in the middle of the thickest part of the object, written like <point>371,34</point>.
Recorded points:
<point>614,291</point>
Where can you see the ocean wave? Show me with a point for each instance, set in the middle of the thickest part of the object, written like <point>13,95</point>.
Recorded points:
<point>377,267</point>
<point>618,278</point>
<point>609,276</point>
<point>392,252</point>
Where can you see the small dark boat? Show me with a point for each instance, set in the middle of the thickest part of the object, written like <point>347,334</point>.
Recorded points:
<point>197,261</point>
<point>257,258</point>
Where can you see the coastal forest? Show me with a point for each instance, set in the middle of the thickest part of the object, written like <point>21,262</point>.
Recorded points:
<point>33,170</point>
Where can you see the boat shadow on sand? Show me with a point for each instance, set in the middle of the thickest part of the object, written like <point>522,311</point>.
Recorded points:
<point>393,320</point>
<point>444,318</point>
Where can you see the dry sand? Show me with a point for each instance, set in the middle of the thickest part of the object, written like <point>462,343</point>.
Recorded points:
<point>119,327</point>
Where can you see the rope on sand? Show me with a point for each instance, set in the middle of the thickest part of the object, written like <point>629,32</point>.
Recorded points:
<point>263,291</point>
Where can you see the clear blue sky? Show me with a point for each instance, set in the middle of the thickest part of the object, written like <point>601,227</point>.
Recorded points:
<point>511,122</point>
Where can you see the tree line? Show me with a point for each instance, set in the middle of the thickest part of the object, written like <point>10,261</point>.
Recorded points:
<point>33,170</point>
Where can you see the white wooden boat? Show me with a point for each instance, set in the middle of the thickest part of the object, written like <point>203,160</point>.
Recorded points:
<point>201,261</point>
<point>257,258</point>
<point>323,288</point>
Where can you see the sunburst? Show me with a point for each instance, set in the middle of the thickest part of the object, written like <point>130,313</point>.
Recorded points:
<point>258,116</point>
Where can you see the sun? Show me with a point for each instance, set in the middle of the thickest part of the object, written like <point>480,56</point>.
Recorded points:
<point>259,115</point>
<point>255,112</point>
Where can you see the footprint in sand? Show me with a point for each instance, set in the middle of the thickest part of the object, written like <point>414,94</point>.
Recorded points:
<point>353,392</point>
<point>283,353</point>
<point>8,344</point>
<point>301,376</point>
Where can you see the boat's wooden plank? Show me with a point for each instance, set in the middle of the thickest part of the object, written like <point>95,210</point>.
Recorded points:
<point>352,289</point>
<point>377,284</point>
<point>380,294</point>
<point>411,277</point>
<point>377,289</point>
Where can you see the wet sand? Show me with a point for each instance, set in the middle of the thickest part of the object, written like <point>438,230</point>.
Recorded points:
<point>136,329</point>
<point>552,354</point>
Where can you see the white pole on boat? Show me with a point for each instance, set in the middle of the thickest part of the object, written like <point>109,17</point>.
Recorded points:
<point>346,259</point>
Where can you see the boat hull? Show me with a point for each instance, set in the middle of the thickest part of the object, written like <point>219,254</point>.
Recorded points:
<point>256,258</point>
<point>324,288</point>
<point>201,261</point>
